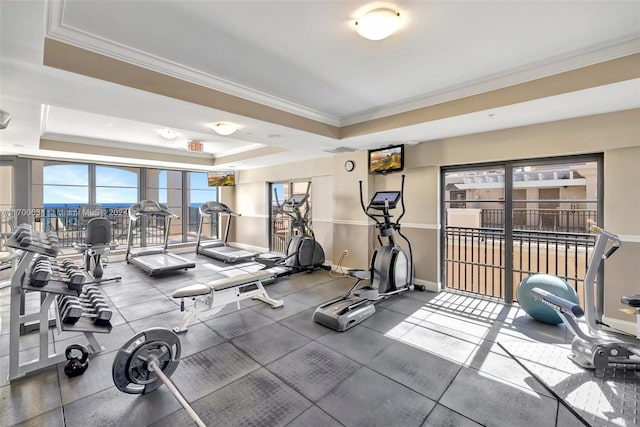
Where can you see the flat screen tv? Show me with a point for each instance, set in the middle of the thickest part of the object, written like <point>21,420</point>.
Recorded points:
<point>221,179</point>
<point>386,160</point>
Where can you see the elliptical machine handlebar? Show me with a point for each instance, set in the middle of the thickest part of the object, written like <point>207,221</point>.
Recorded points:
<point>385,215</point>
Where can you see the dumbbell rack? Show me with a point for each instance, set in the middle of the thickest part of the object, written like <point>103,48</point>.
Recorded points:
<point>20,285</point>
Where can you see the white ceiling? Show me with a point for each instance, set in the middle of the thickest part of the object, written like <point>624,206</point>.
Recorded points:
<point>302,57</point>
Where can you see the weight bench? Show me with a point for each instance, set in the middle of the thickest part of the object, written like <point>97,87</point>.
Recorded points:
<point>216,294</point>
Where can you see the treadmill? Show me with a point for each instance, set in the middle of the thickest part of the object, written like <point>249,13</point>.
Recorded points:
<point>153,259</point>
<point>220,249</point>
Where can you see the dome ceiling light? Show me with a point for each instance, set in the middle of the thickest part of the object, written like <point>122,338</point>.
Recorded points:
<point>168,133</point>
<point>378,24</point>
<point>223,128</point>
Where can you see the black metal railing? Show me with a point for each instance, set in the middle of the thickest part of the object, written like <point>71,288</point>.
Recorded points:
<point>564,220</point>
<point>475,258</point>
<point>280,234</point>
<point>64,221</point>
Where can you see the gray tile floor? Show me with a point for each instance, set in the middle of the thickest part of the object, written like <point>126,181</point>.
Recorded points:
<point>423,359</point>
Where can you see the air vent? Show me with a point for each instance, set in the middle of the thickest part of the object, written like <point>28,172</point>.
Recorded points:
<point>340,150</point>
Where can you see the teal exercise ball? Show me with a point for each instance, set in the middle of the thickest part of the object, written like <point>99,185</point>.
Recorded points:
<point>539,310</point>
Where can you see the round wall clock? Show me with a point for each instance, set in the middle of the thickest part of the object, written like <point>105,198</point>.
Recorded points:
<point>349,165</point>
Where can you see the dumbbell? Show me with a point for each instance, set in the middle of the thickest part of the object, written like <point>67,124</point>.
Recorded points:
<point>42,272</point>
<point>98,310</point>
<point>26,237</point>
<point>84,299</point>
<point>71,310</point>
<point>65,264</point>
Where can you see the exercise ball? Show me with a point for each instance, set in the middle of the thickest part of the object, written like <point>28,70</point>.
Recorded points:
<point>537,309</point>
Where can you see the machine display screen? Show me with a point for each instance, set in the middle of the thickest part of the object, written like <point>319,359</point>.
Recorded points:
<point>296,199</point>
<point>381,197</point>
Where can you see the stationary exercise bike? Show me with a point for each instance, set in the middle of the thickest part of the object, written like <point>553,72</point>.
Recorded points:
<point>390,272</point>
<point>594,348</point>
<point>304,253</point>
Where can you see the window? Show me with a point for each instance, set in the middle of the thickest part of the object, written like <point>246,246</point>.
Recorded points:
<point>116,190</point>
<point>165,186</point>
<point>519,218</point>
<point>200,192</point>
<point>57,191</point>
<point>281,229</point>
<point>116,187</point>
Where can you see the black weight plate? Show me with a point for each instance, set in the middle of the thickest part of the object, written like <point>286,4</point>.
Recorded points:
<point>130,366</point>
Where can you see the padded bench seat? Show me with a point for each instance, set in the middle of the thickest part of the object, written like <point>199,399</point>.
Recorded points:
<point>218,293</point>
<point>220,284</point>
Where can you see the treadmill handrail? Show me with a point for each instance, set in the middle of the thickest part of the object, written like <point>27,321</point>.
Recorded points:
<point>149,207</point>
<point>213,207</point>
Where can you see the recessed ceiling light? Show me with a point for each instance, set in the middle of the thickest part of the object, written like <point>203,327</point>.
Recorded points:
<point>168,133</point>
<point>223,128</point>
<point>378,24</point>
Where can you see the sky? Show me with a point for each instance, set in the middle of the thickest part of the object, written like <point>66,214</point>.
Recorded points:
<point>113,185</point>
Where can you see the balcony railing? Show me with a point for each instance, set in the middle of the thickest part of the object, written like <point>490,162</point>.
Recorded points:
<point>65,223</point>
<point>565,220</point>
<point>280,234</point>
<point>475,258</point>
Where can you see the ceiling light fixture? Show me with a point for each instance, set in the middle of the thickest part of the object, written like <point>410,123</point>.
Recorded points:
<point>168,133</point>
<point>378,24</point>
<point>224,129</point>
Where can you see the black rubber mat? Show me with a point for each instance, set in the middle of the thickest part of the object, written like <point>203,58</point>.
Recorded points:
<point>207,371</point>
<point>238,323</point>
<point>370,399</point>
<point>315,417</point>
<point>490,401</point>
<point>359,344</point>
<point>421,371</point>
<point>313,370</point>
<point>258,399</point>
<point>16,400</point>
<point>303,323</point>
<point>113,408</point>
<point>270,343</point>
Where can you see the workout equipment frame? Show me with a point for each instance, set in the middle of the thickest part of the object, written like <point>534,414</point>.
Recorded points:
<point>220,249</point>
<point>20,321</point>
<point>304,253</point>
<point>154,260</point>
<point>594,348</point>
<point>215,295</point>
<point>390,272</point>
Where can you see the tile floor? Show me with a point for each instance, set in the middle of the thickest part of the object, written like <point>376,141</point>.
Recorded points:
<point>423,359</point>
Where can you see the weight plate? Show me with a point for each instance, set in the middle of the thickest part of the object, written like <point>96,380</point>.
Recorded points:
<point>130,370</point>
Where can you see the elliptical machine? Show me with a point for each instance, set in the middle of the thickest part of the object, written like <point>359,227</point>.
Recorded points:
<point>595,348</point>
<point>304,253</point>
<point>390,272</point>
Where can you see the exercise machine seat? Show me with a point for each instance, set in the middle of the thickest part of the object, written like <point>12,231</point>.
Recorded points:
<point>98,232</point>
<point>633,300</point>
<point>221,284</point>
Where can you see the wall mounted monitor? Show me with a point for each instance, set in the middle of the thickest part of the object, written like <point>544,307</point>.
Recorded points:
<point>221,179</point>
<point>386,160</point>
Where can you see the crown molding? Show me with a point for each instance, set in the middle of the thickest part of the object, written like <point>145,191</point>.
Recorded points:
<point>513,77</point>
<point>59,31</point>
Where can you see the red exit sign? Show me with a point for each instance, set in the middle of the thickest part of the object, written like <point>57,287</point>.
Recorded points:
<point>195,146</point>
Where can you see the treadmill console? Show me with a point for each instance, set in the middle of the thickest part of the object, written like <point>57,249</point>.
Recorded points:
<point>296,199</point>
<point>148,207</point>
<point>212,208</point>
<point>381,198</point>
